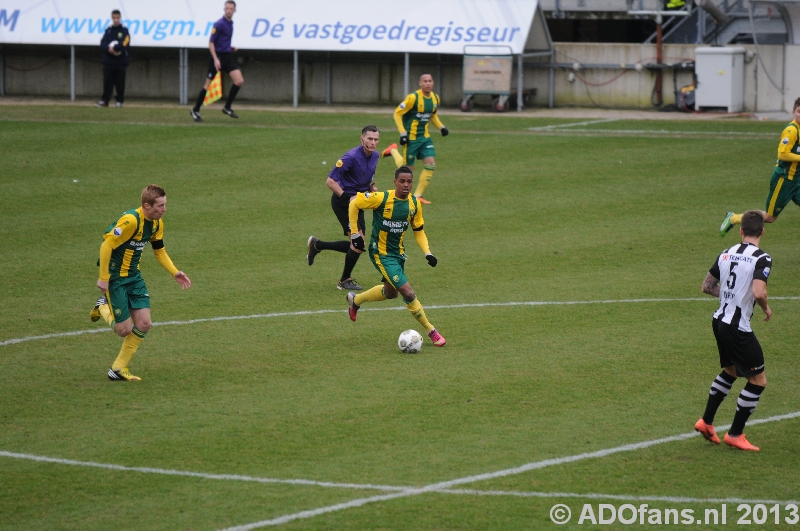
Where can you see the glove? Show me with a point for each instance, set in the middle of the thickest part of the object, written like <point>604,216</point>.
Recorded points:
<point>357,241</point>
<point>432,261</point>
<point>404,139</point>
<point>444,131</point>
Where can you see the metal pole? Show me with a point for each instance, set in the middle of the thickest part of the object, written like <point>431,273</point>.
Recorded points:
<point>180,76</point>
<point>295,76</point>
<point>519,83</point>
<point>439,75</point>
<point>329,88</point>
<point>783,78</point>
<point>659,58</point>
<point>552,83</point>
<point>72,73</point>
<point>701,26</point>
<point>405,76</point>
<point>186,76</point>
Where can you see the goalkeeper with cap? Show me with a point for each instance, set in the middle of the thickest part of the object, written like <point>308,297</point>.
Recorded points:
<point>412,117</point>
<point>393,212</point>
<point>125,303</point>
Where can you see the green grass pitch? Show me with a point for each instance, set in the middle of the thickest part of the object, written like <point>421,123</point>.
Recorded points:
<point>524,210</point>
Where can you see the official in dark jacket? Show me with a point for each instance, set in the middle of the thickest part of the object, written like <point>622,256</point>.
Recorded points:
<point>115,44</point>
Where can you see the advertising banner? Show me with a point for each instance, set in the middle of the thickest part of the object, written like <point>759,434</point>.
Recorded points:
<point>439,26</point>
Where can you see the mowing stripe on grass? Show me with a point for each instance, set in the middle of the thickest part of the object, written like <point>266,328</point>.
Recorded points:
<point>434,487</point>
<point>393,308</point>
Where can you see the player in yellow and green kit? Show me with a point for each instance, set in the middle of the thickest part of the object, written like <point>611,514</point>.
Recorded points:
<point>393,212</point>
<point>125,303</point>
<point>412,117</point>
<point>784,186</point>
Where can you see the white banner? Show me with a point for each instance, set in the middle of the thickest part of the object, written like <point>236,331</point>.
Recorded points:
<point>435,26</point>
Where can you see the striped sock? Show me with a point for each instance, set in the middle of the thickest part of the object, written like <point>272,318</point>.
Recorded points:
<point>748,400</point>
<point>720,388</point>
<point>129,347</point>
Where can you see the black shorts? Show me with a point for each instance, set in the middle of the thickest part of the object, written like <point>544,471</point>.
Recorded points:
<point>737,348</point>
<point>341,207</point>
<point>227,64</point>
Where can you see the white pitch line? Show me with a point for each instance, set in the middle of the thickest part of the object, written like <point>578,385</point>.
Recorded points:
<point>388,488</point>
<point>717,134</point>
<point>574,124</point>
<point>400,492</point>
<point>554,129</point>
<point>393,308</point>
<point>619,497</point>
<point>434,487</point>
<point>202,475</point>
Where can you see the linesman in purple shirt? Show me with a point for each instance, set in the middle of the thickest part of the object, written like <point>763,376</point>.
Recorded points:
<point>353,173</point>
<point>221,58</point>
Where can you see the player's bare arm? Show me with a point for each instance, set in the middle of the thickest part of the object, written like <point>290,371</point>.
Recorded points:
<point>711,285</point>
<point>183,280</point>
<point>335,187</point>
<point>213,51</point>
<point>760,295</point>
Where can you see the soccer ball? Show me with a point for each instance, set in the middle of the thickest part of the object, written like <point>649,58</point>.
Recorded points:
<point>112,44</point>
<point>410,342</point>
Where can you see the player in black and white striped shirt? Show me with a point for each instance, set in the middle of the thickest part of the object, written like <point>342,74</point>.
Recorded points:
<point>739,279</point>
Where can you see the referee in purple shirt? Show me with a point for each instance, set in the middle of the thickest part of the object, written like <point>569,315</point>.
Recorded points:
<point>221,58</point>
<point>353,173</point>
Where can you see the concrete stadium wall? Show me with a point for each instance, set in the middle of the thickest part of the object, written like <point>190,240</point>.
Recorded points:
<point>378,78</point>
<point>633,89</point>
<point>153,73</point>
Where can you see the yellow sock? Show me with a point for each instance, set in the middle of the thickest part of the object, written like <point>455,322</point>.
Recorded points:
<point>105,312</point>
<point>374,294</point>
<point>419,314</point>
<point>398,158</point>
<point>424,179</point>
<point>129,347</point>
<point>736,219</point>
